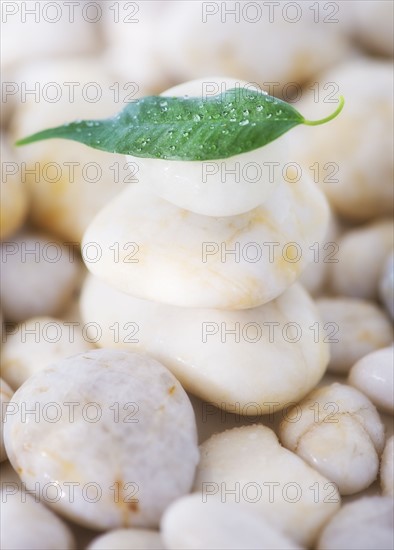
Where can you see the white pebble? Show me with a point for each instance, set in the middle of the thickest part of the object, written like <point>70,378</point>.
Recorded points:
<point>127,539</point>
<point>14,199</point>
<point>240,360</point>
<point>39,276</point>
<point>185,259</point>
<point>6,394</point>
<point>56,24</point>
<point>353,328</point>
<point>192,42</point>
<point>249,464</point>
<point>355,163</point>
<point>373,375</point>
<point>72,182</point>
<point>194,523</point>
<point>387,468</point>
<point>128,444</point>
<point>38,343</point>
<point>386,284</point>
<point>361,256</point>
<point>337,430</point>
<point>371,24</point>
<point>365,524</point>
<point>26,523</point>
<point>225,187</point>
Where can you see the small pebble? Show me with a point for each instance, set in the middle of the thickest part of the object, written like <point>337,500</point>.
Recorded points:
<point>39,276</point>
<point>353,328</point>
<point>37,343</point>
<point>387,468</point>
<point>114,441</point>
<point>128,539</point>
<point>373,375</point>
<point>386,284</point>
<point>6,394</point>
<point>26,523</point>
<point>361,256</point>
<point>365,524</point>
<point>337,430</point>
<point>192,523</point>
<point>248,465</point>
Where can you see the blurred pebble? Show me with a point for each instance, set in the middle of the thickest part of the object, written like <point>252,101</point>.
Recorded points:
<point>39,276</point>
<point>365,524</point>
<point>6,394</point>
<point>386,284</point>
<point>37,343</point>
<point>195,523</point>
<point>127,539</point>
<point>353,328</point>
<point>387,468</point>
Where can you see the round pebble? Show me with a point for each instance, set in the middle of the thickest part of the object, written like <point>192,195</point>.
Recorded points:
<point>26,523</point>
<point>353,328</point>
<point>386,284</point>
<point>362,251</point>
<point>128,539</point>
<point>37,343</point>
<point>338,431</point>
<point>365,524</point>
<point>180,258</point>
<point>224,187</point>
<point>114,441</point>
<point>387,468</point>
<point>373,375</point>
<point>6,394</point>
<point>70,184</point>
<point>248,361</point>
<point>355,164</point>
<point>14,199</point>
<point>194,523</point>
<point>39,276</point>
<point>248,465</point>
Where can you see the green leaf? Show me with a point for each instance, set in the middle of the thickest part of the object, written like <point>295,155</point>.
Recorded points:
<point>175,128</point>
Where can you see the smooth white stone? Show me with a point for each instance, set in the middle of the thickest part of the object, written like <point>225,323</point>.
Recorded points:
<point>128,539</point>
<point>354,328</point>
<point>359,173</point>
<point>71,182</point>
<point>46,33</point>
<point>149,248</point>
<point>255,377</point>
<point>37,343</point>
<point>361,256</point>
<point>14,198</point>
<point>192,523</point>
<point>39,275</point>
<point>365,524</point>
<point>370,24</point>
<point>224,187</point>
<point>191,42</point>
<point>374,376</point>
<point>293,497</point>
<point>387,468</point>
<point>129,443</point>
<point>386,284</point>
<point>337,430</point>
<point>6,394</point>
<point>26,523</point>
